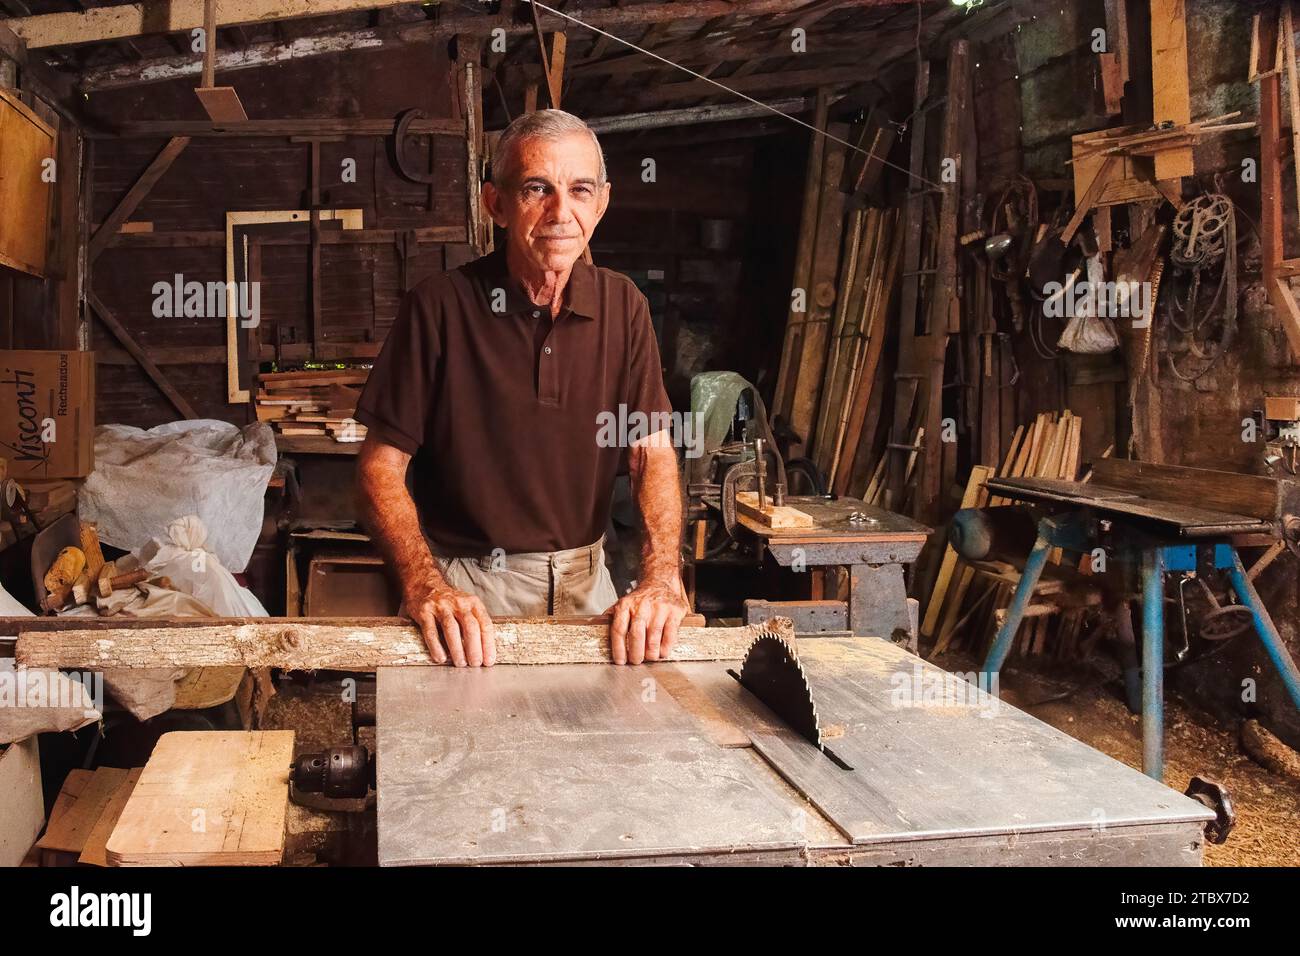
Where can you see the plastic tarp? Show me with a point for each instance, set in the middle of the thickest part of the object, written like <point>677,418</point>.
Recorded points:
<point>146,479</point>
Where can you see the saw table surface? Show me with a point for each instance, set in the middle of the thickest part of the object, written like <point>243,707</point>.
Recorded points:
<point>678,763</point>
<point>831,521</point>
<point>1190,521</point>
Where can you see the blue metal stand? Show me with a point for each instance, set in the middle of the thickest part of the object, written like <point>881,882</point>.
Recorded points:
<point>1155,559</point>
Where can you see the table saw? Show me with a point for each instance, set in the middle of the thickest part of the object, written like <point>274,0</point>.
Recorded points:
<point>679,763</point>
<point>751,746</point>
<point>1150,519</point>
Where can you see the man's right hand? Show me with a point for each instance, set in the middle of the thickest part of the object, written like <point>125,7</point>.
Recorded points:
<point>465,625</point>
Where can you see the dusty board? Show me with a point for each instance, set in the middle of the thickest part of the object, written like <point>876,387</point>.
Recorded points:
<point>25,144</point>
<point>85,801</point>
<point>938,772</point>
<point>361,645</point>
<point>567,762</point>
<point>207,798</point>
<point>92,853</point>
<point>783,518</point>
<point>1185,520</point>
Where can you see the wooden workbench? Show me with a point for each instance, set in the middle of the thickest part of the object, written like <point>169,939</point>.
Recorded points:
<point>872,543</point>
<point>678,763</point>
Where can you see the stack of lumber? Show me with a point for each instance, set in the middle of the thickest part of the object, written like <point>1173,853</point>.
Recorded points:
<point>868,277</point>
<point>48,499</point>
<point>312,403</point>
<point>84,815</point>
<point>1048,448</point>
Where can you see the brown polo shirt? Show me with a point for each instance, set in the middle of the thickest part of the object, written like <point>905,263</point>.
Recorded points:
<point>500,406</point>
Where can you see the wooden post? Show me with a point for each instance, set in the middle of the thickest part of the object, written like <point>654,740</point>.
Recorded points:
<point>783,397</point>
<point>468,59</point>
<point>1170,99</point>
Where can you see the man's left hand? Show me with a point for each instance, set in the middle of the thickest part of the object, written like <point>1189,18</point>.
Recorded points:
<point>643,624</point>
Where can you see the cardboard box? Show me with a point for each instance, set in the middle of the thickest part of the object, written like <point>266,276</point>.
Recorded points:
<point>47,413</point>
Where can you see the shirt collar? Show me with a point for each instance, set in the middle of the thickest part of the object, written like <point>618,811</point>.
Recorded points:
<point>580,295</point>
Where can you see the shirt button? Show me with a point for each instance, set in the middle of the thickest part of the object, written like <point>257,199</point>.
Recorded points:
<point>547,350</point>
<point>537,315</point>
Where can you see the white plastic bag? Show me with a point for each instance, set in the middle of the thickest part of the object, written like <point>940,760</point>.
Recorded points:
<point>193,569</point>
<point>143,480</point>
<point>1090,331</point>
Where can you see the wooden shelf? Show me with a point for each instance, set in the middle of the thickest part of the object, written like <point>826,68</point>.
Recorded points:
<point>313,445</point>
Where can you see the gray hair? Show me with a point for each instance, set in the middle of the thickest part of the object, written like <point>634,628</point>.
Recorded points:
<point>540,124</point>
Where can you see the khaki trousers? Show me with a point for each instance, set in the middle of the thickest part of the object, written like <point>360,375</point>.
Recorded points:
<point>539,584</point>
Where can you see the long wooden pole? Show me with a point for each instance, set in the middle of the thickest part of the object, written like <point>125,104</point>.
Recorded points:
<point>291,644</point>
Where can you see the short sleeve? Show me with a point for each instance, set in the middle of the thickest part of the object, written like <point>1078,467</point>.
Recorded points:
<point>645,373</point>
<point>397,399</point>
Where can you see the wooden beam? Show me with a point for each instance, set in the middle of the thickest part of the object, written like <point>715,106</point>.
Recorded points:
<point>161,69</point>
<point>788,81</point>
<point>692,115</point>
<point>152,129</point>
<point>135,195</point>
<point>55,88</point>
<point>140,355</point>
<point>300,644</point>
<point>1171,100</point>
<point>135,19</point>
<point>124,21</point>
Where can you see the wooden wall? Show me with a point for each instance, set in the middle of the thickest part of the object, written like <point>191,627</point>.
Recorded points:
<point>361,284</point>
<point>715,308</point>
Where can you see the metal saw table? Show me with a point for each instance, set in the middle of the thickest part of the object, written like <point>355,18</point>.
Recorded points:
<point>678,763</point>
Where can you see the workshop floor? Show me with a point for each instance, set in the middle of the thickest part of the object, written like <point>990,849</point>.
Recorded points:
<point>1268,804</point>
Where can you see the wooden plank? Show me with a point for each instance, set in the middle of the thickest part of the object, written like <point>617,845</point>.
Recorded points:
<point>124,21</point>
<point>796,321</point>
<point>135,195</point>
<point>978,475</point>
<point>1171,100</point>
<point>1226,491</point>
<point>207,798</point>
<point>908,366</point>
<point>821,292</point>
<point>860,430</point>
<point>142,358</point>
<point>221,103</point>
<point>69,831</point>
<point>448,23</point>
<point>93,854</point>
<point>770,516</point>
<point>294,645</point>
<point>1186,520</point>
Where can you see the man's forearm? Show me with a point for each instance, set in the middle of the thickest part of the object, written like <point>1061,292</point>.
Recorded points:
<point>657,489</point>
<point>390,516</point>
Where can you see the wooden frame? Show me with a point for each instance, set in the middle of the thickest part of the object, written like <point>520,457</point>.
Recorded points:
<point>351,219</point>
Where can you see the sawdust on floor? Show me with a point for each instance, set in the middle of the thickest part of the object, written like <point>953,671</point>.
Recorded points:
<point>1196,743</point>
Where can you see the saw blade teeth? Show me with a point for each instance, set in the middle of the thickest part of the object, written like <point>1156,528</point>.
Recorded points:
<point>772,671</point>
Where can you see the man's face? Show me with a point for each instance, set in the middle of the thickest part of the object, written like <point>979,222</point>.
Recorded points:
<point>554,202</point>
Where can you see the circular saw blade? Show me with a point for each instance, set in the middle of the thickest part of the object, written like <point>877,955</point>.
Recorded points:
<point>771,672</point>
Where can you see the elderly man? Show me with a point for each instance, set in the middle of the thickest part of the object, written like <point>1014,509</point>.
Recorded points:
<point>482,479</point>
